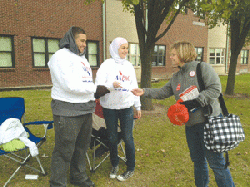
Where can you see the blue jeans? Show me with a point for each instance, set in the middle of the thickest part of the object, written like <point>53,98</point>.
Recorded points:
<point>200,156</point>
<point>126,117</point>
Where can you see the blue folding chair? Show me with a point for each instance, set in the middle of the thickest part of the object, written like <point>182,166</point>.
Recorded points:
<point>15,108</point>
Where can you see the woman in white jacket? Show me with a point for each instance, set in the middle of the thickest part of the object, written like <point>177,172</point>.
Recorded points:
<point>118,75</point>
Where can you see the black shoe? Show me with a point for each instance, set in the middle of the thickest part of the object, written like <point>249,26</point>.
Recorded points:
<point>86,183</point>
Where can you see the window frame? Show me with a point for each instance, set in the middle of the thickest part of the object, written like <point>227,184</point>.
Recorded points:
<point>244,58</point>
<point>215,56</point>
<point>202,56</point>
<point>157,62</point>
<point>98,52</point>
<point>12,52</point>
<point>137,55</point>
<point>47,53</point>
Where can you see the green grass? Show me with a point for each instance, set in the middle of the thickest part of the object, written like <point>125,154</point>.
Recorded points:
<point>162,155</point>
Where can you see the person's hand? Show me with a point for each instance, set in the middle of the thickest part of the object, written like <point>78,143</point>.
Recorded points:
<point>117,84</point>
<point>101,91</point>
<point>137,91</point>
<point>191,104</point>
<point>138,114</point>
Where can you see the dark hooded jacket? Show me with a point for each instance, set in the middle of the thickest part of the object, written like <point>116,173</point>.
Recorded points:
<point>68,41</point>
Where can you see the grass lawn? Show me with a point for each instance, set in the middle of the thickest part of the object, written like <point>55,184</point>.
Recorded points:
<point>162,155</point>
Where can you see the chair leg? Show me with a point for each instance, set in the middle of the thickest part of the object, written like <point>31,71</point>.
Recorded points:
<point>101,161</point>
<point>21,164</point>
<point>123,150</point>
<point>41,167</point>
<point>24,163</point>
<point>87,156</point>
<point>93,167</point>
<point>12,175</point>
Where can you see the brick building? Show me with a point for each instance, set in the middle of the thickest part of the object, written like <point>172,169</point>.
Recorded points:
<point>30,31</point>
<point>186,27</point>
<point>212,45</point>
<point>218,54</point>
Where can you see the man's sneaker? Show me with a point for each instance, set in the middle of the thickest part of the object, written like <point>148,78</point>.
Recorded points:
<point>125,175</point>
<point>114,172</point>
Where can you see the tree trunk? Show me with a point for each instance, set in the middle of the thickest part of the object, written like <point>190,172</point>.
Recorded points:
<point>237,43</point>
<point>147,26</point>
<point>146,71</point>
<point>231,75</point>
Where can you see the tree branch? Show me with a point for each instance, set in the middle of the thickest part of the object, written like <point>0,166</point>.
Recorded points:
<point>172,20</point>
<point>245,31</point>
<point>140,27</point>
<point>235,33</point>
<point>158,12</point>
<point>154,12</point>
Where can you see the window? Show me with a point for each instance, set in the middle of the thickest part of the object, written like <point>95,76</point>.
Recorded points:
<point>6,52</point>
<point>199,51</point>
<point>92,53</point>
<point>43,49</point>
<point>244,56</point>
<point>134,54</point>
<point>159,55</point>
<point>217,56</point>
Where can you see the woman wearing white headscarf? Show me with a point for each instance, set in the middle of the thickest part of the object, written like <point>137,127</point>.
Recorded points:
<point>118,75</point>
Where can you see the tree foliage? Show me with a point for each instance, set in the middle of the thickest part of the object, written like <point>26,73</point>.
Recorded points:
<point>235,13</point>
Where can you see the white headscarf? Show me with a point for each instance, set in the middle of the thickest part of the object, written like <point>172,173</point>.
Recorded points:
<point>114,46</point>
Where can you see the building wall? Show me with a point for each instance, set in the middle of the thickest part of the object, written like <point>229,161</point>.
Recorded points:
<point>187,27</point>
<point>243,68</point>
<point>49,19</point>
<point>120,23</point>
<point>217,38</point>
<point>52,18</point>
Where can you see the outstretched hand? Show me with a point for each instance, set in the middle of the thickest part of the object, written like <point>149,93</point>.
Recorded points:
<point>137,91</point>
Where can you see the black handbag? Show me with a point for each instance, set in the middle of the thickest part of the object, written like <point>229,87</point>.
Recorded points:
<point>222,133</point>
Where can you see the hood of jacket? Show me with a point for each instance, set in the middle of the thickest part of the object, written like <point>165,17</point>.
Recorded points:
<point>68,41</point>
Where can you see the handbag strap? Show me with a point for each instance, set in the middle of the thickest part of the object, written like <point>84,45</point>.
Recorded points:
<point>223,105</point>
<point>199,77</point>
<point>202,87</point>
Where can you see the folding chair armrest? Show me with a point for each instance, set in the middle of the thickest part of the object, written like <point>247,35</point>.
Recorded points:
<point>47,125</point>
<point>50,123</point>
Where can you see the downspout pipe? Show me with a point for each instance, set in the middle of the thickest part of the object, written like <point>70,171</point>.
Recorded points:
<point>104,28</point>
<point>227,48</point>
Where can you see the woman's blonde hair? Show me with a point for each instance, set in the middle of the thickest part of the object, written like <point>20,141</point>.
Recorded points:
<point>185,51</point>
